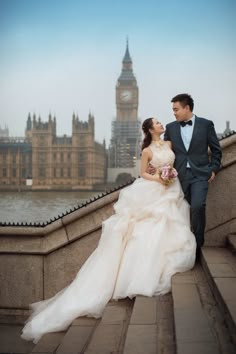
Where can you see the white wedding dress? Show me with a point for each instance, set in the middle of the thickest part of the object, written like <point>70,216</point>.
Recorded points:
<point>142,245</point>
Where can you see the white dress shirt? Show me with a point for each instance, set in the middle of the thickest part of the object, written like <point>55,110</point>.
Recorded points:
<point>186,134</point>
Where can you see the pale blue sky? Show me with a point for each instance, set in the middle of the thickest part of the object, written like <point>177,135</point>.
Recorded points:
<point>65,56</point>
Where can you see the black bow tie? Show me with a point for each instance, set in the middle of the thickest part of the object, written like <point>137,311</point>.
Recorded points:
<point>189,122</point>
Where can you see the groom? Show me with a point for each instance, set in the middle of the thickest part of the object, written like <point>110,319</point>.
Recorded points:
<point>190,137</point>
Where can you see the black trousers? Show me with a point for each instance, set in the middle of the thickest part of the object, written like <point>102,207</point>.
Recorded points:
<point>195,192</point>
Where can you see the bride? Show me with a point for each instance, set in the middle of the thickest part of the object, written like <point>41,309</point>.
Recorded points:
<point>142,245</point>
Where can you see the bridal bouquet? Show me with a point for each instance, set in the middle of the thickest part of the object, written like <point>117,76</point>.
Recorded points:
<point>167,173</point>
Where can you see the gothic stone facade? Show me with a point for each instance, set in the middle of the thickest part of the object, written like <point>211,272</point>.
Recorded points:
<point>51,162</point>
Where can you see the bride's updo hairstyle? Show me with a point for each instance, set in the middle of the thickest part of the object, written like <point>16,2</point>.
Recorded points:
<point>146,126</point>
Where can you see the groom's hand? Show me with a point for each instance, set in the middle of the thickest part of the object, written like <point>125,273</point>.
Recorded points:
<point>151,170</point>
<point>212,177</point>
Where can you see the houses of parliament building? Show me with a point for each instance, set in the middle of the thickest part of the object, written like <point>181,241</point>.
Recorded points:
<point>43,161</point>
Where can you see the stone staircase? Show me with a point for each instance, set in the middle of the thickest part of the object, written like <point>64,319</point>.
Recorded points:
<point>199,316</point>
<point>220,269</point>
<point>204,303</point>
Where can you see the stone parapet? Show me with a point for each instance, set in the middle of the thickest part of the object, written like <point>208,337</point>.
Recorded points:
<point>221,199</point>
<point>32,257</point>
<point>44,240</point>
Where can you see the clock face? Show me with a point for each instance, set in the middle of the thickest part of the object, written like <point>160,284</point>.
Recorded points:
<point>126,95</point>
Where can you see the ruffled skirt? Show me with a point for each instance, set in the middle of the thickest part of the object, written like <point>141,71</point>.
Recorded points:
<point>142,245</point>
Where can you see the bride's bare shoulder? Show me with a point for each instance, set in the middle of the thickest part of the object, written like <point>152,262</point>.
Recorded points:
<point>169,143</point>
<point>147,152</point>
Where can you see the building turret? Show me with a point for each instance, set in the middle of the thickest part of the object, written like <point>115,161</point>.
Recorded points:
<point>29,123</point>
<point>28,129</point>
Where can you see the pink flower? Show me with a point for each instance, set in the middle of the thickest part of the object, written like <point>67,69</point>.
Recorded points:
<point>168,173</point>
<point>165,172</point>
<point>173,173</point>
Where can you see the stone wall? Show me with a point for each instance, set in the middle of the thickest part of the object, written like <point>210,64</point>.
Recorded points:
<point>221,201</point>
<point>37,262</point>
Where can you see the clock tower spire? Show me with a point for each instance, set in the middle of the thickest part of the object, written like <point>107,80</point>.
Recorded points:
<point>127,62</point>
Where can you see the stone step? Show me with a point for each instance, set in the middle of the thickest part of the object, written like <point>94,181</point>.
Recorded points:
<point>220,267</point>
<point>78,336</point>
<point>142,334</point>
<point>48,343</point>
<point>151,326</point>
<point>110,333</point>
<point>10,340</point>
<point>73,340</point>
<point>231,240</point>
<point>192,329</point>
<point>89,335</point>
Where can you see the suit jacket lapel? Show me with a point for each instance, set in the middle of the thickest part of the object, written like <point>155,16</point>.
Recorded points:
<point>195,132</point>
<point>178,135</point>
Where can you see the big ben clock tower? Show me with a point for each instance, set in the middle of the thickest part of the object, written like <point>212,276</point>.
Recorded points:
<point>126,128</point>
<point>127,91</point>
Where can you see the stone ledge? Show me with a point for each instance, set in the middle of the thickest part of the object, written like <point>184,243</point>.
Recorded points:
<point>231,240</point>
<point>65,220</point>
<point>220,268</point>
<point>13,316</point>
<point>218,235</point>
<point>42,241</point>
<point>230,140</point>
<point>228,147</point>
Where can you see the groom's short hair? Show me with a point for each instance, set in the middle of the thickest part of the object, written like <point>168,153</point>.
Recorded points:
<point>184,100</point>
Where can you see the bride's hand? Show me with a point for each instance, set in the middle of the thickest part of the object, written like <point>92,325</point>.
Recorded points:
<point>151,169</point>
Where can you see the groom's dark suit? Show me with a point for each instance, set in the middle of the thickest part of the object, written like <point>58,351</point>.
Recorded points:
<point>194,180</point>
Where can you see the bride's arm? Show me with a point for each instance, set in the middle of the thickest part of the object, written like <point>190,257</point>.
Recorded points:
<point>145,158</point>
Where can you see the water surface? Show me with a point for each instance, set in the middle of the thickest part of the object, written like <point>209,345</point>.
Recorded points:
<point>39,206</point>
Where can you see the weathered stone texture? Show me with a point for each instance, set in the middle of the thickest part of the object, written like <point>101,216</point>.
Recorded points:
<point>61,266</point>
<point>21,280</point>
